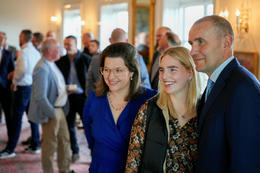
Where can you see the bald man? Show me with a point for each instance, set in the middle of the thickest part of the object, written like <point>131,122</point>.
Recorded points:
<point>86,38</point>
<point>168,40</point>
<point>51,34</point>
<point>154,78</point>
<point>49,106</point>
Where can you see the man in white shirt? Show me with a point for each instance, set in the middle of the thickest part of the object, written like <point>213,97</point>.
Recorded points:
<point>22,85</point>
<point>49,105</point>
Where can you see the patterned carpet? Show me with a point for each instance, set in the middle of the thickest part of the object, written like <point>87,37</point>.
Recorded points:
<point>31,163</point>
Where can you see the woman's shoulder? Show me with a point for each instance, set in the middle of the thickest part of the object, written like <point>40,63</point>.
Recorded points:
<point>92,97</point>
<point>91,94</point>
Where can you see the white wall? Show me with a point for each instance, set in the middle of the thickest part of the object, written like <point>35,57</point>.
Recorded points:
<point>24,14</point>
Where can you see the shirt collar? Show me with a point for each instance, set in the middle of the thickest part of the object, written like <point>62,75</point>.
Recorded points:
<point>214,76</point>
<point>26,44</point>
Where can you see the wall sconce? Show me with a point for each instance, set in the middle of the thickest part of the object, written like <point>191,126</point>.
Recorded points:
<point>242,17</point>
<point>242,20</point>
<point>224,14</point>
<point>243,40</point>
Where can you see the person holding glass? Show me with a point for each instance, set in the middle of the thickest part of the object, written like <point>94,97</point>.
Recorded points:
<point>111,109</point>
<point>164,133</point>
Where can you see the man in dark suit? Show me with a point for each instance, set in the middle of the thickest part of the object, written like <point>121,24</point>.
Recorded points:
<point>154,72</point>
<point>6,66</point>
<point>86,38</point>
<point>74,67</point>
<point>229,111</point>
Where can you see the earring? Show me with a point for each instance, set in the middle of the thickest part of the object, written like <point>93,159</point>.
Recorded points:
<point>131,78</point>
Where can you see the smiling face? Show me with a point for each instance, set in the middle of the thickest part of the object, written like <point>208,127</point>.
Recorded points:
<point>116,74</point>
<point>70,45</point>
<point>173,76</point>
<point>207,47</point>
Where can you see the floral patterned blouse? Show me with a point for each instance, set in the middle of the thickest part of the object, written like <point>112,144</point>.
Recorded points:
<point>182,152</point>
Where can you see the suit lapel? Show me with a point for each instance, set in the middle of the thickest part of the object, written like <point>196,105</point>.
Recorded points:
<point>79,69</point>
<point>218,86</point>
<point>216,90</point>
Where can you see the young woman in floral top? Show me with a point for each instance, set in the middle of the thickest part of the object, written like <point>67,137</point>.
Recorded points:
<point>164,133</point>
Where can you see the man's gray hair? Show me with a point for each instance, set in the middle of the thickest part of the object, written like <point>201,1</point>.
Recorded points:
<point>46,44</point>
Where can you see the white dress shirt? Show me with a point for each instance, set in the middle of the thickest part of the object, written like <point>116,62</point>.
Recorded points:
<point>25,64</point>
<point>62,97</point>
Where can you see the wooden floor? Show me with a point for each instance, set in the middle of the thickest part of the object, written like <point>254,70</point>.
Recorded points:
<point>31,163</point>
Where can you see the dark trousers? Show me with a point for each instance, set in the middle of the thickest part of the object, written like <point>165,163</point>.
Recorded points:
<point>21,102</point>
<point>6,102</point>
<point>76,106</point>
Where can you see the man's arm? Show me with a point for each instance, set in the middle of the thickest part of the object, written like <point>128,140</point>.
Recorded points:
<point>20,68</point>
<point>243,128</point>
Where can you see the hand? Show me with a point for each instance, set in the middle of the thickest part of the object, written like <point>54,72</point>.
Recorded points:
<point>72,88</point>
<point>10,75</point>
<point>13,87</point>
<point>71,91</point>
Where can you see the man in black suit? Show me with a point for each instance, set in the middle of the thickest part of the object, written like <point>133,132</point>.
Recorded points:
<point>154,72</point>
<point>6,66</point>
<point>86,38</point>
<point>74,67</point>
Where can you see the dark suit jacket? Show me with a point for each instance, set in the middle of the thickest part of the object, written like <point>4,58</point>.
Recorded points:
<point>155,80</point>
<point>229,123</point>
<point>6,66</point>
<point>81,61</point>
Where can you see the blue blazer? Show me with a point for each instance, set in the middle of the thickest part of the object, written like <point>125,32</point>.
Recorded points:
<point>229,123</point>
<point>6,66</point>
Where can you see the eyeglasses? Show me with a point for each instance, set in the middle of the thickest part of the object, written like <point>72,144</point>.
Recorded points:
<point>116,71</point>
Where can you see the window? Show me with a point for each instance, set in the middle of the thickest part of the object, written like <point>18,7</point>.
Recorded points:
<point>72,24</point>
<point>181,15</point>
<point>111,17</point>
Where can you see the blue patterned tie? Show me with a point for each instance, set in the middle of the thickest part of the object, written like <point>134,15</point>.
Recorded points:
<point>209,87</point>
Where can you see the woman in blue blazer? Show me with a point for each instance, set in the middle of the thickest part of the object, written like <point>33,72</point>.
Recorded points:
<point>110,111</point>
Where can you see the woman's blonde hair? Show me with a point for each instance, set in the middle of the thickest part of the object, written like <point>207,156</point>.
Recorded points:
<point>182,55</point>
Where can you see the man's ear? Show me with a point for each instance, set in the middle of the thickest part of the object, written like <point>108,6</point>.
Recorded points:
<point>228,41</point>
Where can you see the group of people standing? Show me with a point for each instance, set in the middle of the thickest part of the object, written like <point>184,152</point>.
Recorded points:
<point>177,129</point>
<point>132,128</point>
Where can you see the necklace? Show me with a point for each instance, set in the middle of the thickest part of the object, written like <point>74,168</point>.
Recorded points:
<point>116,108</point>
<point>183,116</point>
